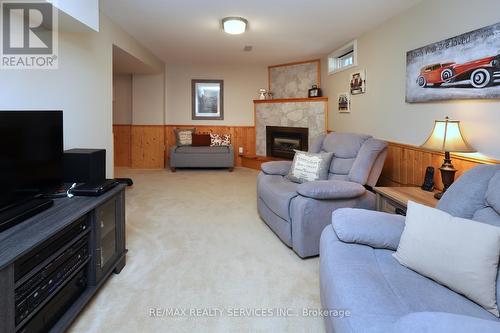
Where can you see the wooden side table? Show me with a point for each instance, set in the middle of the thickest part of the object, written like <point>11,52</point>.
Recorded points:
<point>394,200</point>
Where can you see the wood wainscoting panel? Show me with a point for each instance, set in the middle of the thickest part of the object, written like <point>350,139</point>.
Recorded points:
<point>241,136</point>
<point>406,165</point>
<point>122,145</point>
<point>148,147</point>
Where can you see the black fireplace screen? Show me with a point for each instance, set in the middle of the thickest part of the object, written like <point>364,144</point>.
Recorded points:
<point>282,141</point>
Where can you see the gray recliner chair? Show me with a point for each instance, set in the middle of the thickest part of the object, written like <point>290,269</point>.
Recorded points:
<point>298,213</point>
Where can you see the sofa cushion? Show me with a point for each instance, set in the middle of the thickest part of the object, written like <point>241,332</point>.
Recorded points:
<point>276,167</point>
<point>366,227</point>
<point>201,140</point>
<point>202,150</point>
<point>467,196</point>
<point>332,176</point>
<point>493,194</point>
<point>309,167</point>
<point>220,139</point>
<point>378,290</point>
<point>341,166</point>
<point>279,226</point>
<point>345,148</point>
<point>487,215</point>
<point>317,144</point>
<point>459,253</point>
<point>277,192</point>
<point>362,166</point>
<point>330,190</point>
<point>424,322</point>
<point>184,136</point>
<point>344,145</point>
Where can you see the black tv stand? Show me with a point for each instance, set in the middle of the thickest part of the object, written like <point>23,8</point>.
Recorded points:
<point>72,247</point>
<point>17,213</point>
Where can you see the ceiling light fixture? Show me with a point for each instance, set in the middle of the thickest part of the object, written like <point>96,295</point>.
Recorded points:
<point>234,25</point>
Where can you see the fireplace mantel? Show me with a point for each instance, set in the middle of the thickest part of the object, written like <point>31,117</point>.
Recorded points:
<point>291,100</point>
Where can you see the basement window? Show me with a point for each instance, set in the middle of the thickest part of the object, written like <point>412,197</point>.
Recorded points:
<point>343,58</point>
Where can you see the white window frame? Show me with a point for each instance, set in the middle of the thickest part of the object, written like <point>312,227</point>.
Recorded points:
<point>335,56</point>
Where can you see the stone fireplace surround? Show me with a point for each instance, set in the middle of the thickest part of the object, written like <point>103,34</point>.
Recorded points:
<point>303,113</point>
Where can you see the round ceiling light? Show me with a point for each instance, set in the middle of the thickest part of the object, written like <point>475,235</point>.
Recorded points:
<point>234,25</point>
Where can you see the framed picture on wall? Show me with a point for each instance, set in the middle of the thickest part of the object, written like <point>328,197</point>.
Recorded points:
<point>462,67</point>
<point>207,99</point>
<point>344,103</point>
<point>358,82</point>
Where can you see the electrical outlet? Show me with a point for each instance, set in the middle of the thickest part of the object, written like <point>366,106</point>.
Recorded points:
<point>240,150</point>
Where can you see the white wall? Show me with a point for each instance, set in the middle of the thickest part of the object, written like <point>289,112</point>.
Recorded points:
<point>122,99</point>
<point>86,11</point>
<point>138,99</point>
<point>382,111</point>
<point>241,85</point>
<point>148,99</point>
<point>81,87</point>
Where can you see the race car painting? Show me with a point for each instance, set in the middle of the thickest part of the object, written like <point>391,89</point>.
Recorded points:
<point>466,66</point>
<point>481,73</point>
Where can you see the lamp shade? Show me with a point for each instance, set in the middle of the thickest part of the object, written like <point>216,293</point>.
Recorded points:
<point>447,137</point>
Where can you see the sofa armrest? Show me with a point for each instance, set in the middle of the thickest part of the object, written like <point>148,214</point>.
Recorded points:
<point>280,168</point>
<point>376,229</point>
<point>173,149</point>
<point>330,190</point>
<point>422,322</point>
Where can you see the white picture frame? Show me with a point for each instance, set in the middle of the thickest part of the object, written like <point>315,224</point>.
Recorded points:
<point>357,84</point>
<point>344,103</point>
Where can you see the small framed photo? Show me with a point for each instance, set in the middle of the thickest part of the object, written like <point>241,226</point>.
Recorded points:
<point>344,102</point>
<point>358,82</point>
<point>314,92</point>
<point>207,99</point>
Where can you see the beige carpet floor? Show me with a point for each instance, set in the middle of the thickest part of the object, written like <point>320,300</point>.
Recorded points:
<point>196,243</point>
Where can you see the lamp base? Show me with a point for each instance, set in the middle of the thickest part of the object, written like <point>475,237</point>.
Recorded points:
<point>447,174</point>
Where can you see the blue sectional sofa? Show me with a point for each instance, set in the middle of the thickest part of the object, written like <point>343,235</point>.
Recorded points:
<point>359,274</point>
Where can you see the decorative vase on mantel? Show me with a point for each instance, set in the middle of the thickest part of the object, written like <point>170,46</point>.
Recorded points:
<point>262,94</point>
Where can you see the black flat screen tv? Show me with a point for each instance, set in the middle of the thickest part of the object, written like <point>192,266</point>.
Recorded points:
<point>31,154</point>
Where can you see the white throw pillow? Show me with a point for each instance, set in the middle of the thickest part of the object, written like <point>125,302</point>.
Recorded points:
<point>458,253</point>
<point>184,137</point>
<point>307,167</point>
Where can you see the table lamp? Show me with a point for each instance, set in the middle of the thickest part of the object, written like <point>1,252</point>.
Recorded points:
<point>447,137</point>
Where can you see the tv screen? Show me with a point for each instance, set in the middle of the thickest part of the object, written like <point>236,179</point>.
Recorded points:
<point>31,154</point>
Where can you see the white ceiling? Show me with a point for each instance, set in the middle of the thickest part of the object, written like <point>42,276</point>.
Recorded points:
<point>189,31</point>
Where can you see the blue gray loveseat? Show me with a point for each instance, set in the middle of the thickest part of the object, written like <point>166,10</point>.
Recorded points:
<point>358,272</point>
<point>201,157</point>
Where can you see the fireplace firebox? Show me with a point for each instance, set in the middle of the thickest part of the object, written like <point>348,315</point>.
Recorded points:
<point>282,141</point>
